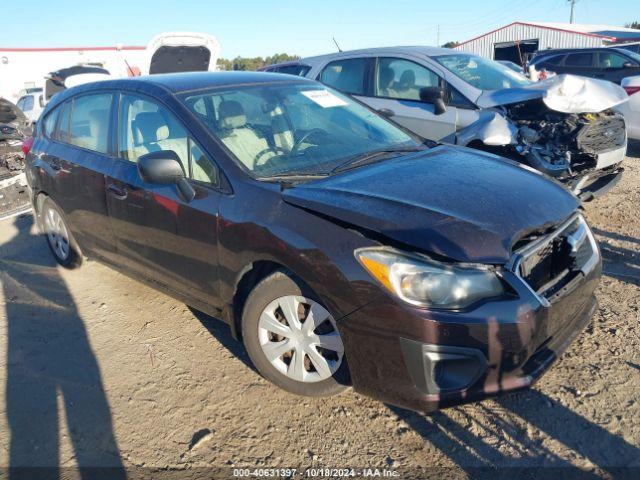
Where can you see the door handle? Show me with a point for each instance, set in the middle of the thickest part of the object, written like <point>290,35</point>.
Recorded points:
<point>386,112</point>
<point>117,192</point>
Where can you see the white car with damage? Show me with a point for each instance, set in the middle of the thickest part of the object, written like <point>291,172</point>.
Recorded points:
<point>565,126</point>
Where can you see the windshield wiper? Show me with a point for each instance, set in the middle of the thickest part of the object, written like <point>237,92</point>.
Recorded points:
<point>368,157</point>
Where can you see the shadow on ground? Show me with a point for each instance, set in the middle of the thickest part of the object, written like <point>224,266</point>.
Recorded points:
<point>511,435</point>
<point>50,363</point>
<point>620,262</point>
<point>222,333</point>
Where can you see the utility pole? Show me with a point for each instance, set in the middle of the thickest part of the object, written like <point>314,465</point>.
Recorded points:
<point>573,4</point>
<point>438,37</point>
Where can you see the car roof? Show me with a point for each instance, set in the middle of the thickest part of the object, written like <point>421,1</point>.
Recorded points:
<point>409,49</point>
<point>555,51</point>
<point>180,82</point>
<point>175,83</point>
<point>565,51</point>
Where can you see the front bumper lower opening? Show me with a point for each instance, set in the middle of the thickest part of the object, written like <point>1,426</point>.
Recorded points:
<point>437,369</point>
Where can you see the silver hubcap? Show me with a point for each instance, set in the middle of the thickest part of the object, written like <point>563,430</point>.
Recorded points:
<point>300,339</point>
<point>57,233</point>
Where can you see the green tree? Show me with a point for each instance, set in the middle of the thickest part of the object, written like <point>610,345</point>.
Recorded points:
<point>224,64</point>
<point>635,25</point>
<point>251,64</point>
<point>450,45</point>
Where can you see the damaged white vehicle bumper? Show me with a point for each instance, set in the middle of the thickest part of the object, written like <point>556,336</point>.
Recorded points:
<point>564,127</point>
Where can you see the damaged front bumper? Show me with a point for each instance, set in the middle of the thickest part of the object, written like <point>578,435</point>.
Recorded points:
<point>14,196</point>
<point>597,183</point>
<point>428,359</point>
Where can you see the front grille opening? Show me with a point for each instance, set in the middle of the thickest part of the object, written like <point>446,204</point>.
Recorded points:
<point>548,265</point>
<point>556,263</point>
<point>602,136</point>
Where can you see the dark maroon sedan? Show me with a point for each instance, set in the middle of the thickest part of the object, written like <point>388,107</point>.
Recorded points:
<point>341,249</point>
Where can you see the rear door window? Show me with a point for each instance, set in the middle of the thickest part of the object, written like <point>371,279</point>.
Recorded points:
<point>583,59</point>
<point>90,122</point>
<point>346,75</point>
<point>402,79</point>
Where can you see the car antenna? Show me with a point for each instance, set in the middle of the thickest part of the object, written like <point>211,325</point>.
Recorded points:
<point>131,73</point>
<point>334,41</point>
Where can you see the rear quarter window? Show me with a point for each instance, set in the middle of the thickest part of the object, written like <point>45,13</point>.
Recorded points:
<point>584,59</point>
<point>61,132</point>
<point>49,123</point>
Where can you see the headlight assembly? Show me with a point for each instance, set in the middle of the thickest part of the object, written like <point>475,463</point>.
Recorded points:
<point>420,281</point>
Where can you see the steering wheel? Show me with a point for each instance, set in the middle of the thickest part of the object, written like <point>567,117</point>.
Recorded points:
<point>298,144</point>
<point>263,152</point>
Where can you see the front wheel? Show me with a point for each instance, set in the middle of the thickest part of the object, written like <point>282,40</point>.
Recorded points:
<point>59,238</point>
<point>292,339</point>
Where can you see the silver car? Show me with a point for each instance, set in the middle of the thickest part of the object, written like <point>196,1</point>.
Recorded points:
<point>563,127</point>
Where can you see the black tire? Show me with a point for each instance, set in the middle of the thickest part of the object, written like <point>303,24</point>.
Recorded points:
<point>74,257</point>
<point>276,285</point>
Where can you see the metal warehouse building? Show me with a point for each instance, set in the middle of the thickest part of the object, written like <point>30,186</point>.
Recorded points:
<point>519,40</point>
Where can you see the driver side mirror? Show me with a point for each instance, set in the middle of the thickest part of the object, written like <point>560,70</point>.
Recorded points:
<point>164,168</point>
<point>629,65</point>
<point>435,96</point>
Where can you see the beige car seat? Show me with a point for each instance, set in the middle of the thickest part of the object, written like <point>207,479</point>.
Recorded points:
<point>153,133</point>
<point>240,138</point>
<point>98,136</point>
<point>282,134</point>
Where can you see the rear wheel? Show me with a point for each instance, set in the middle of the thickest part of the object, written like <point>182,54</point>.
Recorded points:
<point>292,339</point>
<point>64,248</point>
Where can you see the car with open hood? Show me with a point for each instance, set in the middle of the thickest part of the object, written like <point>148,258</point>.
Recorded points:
<point>72,76</point>
<point>342,249</point>
<point>174,52</point>
<point>564,127</point>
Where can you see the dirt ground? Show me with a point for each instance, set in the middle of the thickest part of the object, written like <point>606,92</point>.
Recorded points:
<point>99,370</point>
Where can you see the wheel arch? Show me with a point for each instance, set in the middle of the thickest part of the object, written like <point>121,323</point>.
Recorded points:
<point>245,282</point>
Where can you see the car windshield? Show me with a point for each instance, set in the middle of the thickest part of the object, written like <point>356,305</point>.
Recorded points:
<point>295,128</point>
<point>482,73</point>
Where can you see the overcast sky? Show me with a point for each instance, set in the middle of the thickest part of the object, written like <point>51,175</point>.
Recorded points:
<point>265,27</point>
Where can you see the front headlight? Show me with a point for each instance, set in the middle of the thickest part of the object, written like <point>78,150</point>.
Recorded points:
<point>427,283</point>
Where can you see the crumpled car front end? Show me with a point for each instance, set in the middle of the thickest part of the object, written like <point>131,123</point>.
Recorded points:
<point>564,127</point>
<point>14,127</point>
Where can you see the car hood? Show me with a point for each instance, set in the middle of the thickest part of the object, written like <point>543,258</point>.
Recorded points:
<point>454,202</point>
<point>10,113</point>
<point>173,52</point>
<point>562,93</point>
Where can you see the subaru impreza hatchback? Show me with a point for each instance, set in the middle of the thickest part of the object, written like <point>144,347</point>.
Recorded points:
<point>340,248</point>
